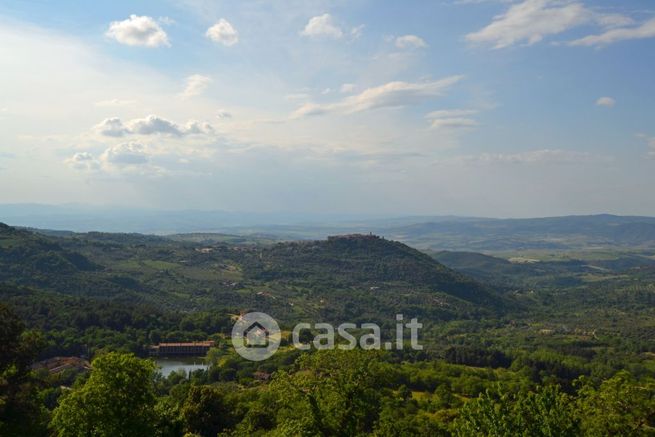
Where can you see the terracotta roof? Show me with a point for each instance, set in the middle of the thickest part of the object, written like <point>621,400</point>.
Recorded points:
<point>194,343</point>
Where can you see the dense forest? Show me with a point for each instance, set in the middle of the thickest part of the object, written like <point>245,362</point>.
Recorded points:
<point>559,346</point>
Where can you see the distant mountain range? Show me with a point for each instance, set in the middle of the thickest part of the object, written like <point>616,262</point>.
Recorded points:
<point>567,233</point>
<point>553,233</point>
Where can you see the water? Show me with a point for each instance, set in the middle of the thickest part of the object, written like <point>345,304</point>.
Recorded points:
<point>170,365</point>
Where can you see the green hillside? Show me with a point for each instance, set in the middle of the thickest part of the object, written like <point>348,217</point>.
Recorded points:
<point>363,260</point>
<point>500,335</point>
<point>356,278</point>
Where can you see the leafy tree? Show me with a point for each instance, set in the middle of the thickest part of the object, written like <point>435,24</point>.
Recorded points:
<point>400,416</point>
<point>169,423</point>
<point>333,393</point>
<point>20,411</point>
<point>118,400</point>
<point>620,406</point>
<point>11,328</point>
<point>487,415</point>
<point>260,415</point>
<point>206,411</point>
<point>546,412</point>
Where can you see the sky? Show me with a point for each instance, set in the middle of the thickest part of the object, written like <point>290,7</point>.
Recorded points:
<point>492,108</point>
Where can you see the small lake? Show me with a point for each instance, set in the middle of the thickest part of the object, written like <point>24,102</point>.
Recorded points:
<point>170,365</point>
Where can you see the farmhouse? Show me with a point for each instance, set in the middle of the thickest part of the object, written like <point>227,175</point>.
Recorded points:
<point>195,348</point>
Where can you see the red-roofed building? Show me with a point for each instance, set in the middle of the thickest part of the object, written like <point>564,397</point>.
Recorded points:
<point>194,348</point>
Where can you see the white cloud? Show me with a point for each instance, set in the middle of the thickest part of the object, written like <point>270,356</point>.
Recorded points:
<point>357,31</point>
<point>347,88</point>
<point>111,127</point>
<point>452,123</point>
<point>223,32</point>
<point>83,161</point>
<point>168,21</point>
<point>196,84</point>
<point>645,30</point>
<point>532,20</point>
<point>311,109</point>
<point>395,94</point>
<point>195,127</point>
<point>392,94</point>
<point>125,154</point>
<point>410,42</point>
<point>557,156</point>
<point>452,118</point>
<point>322,26</point>
<point>606,101</point>
<point>150,125</point>
<point>138,31</point>
<point>153,124</point>
<point>448,113</point>
<point>614,20</point>
<point>650,141</point>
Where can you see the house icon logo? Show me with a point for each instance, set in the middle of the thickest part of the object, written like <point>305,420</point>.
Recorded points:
<point>256,336</point>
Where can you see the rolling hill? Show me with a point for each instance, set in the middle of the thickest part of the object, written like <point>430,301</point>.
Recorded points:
<point>357,277</point>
